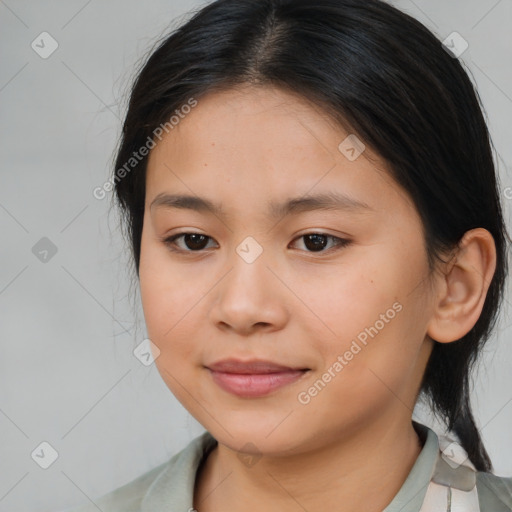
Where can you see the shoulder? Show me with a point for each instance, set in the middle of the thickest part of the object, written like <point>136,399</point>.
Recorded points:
<point>494,492</point>
<point>130,497</point>
<point>127,498</point>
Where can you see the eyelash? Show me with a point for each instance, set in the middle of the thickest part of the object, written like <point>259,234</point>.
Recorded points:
<point>341,242</point>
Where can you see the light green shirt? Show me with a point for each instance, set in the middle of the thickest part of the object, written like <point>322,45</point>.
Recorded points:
<point>170,486</point>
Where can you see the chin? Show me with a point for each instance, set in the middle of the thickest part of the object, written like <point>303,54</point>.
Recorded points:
<point>257,438</point>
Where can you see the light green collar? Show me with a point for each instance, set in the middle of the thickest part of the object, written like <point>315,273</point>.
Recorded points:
<point>173,489</point>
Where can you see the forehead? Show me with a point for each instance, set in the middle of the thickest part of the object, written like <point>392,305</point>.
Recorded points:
<point>262,142</point>
<point>256,116</point>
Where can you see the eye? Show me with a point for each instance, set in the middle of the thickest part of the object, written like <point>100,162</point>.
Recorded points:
<point>196,242</point>
<point>316,242</point>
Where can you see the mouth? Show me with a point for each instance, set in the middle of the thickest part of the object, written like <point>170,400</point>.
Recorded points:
<point>253,378</point>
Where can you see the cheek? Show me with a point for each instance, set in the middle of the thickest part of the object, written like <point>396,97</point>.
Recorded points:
<point>372,315</point>
<point>365,372</point>
<point>167,301</point>
<point>347,300</point>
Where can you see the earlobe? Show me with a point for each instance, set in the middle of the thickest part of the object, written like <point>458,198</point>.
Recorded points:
<point>464,283</point>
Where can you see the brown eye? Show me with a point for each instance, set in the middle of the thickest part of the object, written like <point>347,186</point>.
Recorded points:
<point>197,242</point>
<point>192,241</point>
<point>317,242</point>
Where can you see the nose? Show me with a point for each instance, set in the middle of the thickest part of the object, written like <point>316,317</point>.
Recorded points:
<point>250,299</point>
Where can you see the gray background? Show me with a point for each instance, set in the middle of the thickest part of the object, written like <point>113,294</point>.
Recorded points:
<point>67,328</point>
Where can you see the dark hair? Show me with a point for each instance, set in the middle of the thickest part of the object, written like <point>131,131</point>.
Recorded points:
<point>384,75</point>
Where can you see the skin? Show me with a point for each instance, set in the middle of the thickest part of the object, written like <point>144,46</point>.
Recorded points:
<point>296,306</point>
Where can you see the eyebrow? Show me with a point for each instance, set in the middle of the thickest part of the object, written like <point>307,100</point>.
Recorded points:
<point>323,201</point>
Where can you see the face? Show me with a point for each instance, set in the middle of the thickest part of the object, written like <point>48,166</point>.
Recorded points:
<point>331,293</point>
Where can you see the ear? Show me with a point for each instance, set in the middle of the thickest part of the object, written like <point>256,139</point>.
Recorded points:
<point>462,287</point>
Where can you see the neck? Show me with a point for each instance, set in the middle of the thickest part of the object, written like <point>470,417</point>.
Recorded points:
<point>354,471</point>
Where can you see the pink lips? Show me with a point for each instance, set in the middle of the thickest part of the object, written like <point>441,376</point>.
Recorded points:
<point>253,378</point>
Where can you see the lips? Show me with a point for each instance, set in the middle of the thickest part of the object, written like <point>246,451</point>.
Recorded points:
<point>253,366</point>
<point>253,378</point>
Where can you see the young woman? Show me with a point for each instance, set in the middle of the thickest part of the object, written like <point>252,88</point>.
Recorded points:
<point>309,192</point>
